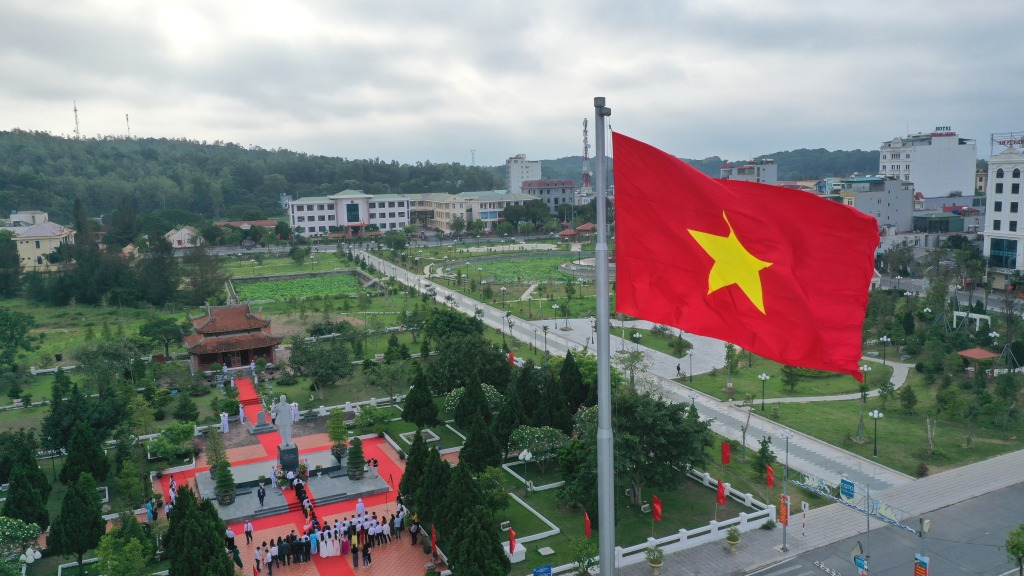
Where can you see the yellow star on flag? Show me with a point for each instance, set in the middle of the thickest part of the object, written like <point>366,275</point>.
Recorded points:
<point>734,264</point>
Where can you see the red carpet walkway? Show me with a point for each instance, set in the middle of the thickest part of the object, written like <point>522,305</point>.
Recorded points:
<point>395,559</point>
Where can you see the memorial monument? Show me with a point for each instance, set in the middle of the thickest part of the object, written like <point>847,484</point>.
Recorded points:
<point>287,452</point>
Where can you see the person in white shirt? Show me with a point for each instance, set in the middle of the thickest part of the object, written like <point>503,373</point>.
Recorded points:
<point>248,529</point>
<point>258,557</point>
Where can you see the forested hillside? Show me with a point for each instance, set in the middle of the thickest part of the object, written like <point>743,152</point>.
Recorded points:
<point>187,181</point>
<point>800,164</point>
<point>39,171</point>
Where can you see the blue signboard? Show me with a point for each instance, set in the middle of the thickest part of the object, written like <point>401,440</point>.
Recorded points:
<point>859,562</point>
<point>846,488</point>
<point>542,571</point>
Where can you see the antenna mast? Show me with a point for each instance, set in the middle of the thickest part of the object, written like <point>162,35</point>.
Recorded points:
<point>585,187</point>
<point>128,124</point>
<point>472,157</point>
<point>78,135</point>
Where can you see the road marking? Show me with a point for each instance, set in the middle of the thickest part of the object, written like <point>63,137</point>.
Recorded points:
<point>787,570</point>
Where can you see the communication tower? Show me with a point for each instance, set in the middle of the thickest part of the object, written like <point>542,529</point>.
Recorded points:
<point>78,135</point>
<point>585,186</point>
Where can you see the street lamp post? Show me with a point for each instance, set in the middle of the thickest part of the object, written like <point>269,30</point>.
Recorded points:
<point>787,434</point>
<point>636,340</point>
<point>534,337</point>
<point>253,262</point>
<point>693,398</point>
<point>503,290</point>
<point>763,378</point>
<point>876,416</point>
<point>885,340</point>
<point>898,278</point>
<point>690,354</point>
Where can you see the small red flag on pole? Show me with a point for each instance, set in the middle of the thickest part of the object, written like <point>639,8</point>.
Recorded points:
<point>586,524</point>
<point>511,541</point>
<point>771,476</point>
<point>726,452</point>
<point>433,539</point>
<point>255,571</point>
<point>656,508</point>
<point>721,493</point>
<point>511,359</point>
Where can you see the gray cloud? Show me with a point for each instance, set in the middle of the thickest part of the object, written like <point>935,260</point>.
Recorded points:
<point>431,80</point>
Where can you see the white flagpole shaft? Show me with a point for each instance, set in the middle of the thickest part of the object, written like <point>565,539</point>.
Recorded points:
<point>605,447</point>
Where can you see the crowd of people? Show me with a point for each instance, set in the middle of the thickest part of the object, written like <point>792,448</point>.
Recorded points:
<point>356,535</point>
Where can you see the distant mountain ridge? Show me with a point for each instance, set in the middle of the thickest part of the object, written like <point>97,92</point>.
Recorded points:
<point>802,164</point>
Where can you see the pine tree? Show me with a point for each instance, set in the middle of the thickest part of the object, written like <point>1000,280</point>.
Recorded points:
<point>66,409</point>
<point>80,525</point>
<point>577,393</point>
<point>25,500</point>
<point>195,540</point>
<point>477,549</point>
<point>431,490</point>
<point>415,464</point>
<point>85,454</point>
<point>481,449</point>
<point>529,393</point>
<point>356,460</point>
<point>419,406</point>
<point>461,496</point>
<point>225,484</point>
<point>554,408</point>
<point>215,453</point>
<point>509,417</point>
<point>187,411</point>
<point>473,402</point>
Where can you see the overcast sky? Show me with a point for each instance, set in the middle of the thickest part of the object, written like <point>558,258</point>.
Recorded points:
<point>412,80</point>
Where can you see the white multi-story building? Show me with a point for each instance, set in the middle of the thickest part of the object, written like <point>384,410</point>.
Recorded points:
<point>348,212</point>
<point>518,170</point>
<point>551,192</point>
<point>938,163</point>
<point>436,211</point>
<point>891,202</point>
<point>1004,214</point>
<point>763,170</point>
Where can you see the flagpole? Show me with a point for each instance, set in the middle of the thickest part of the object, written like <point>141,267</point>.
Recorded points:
<point>605,447</point>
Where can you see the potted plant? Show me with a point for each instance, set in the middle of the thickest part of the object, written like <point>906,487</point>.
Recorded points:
<point>262,480</point>
<point>426,545</point>
<point>319,470</point>
<point>732,538</point>
<point>225,485</point>
<point>655,559</point>
<point>356,462</point>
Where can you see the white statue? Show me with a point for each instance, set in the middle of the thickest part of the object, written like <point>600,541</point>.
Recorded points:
<point>282,412</point>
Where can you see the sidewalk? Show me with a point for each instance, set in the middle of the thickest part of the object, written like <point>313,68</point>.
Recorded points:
<point>836,522</point>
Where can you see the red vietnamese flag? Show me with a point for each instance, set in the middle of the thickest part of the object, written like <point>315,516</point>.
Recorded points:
<point>511,359</point>
<point>726,452</point>
<point>780,272</point>
<point>511,541</point>
<point>255,571</point>
<point>656,508</point>
<point>433,539</point>
<point>586,524</point>
<point>770,474</point>
<point>720,498</point>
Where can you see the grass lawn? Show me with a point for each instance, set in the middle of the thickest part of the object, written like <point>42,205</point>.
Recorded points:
<point>690,506</point>
<point>902,442</point>
<point>659,342</point>
<point>532,471</point>
<point>745,381</point>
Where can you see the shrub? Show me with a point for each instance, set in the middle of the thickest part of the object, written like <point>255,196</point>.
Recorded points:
<point>922,469</point>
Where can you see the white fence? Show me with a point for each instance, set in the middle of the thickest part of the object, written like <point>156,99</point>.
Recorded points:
<point>685,539</point>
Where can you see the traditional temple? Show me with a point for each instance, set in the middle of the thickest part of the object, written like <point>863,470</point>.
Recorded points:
<point>232,336</point>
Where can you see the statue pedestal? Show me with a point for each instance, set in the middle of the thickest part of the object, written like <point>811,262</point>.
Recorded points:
<point>288,456</point>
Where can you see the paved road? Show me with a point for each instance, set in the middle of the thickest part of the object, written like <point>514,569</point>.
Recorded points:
<point>806,454</point>
<point>964,541</point>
